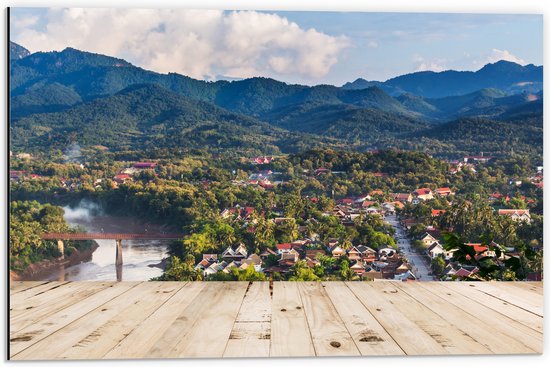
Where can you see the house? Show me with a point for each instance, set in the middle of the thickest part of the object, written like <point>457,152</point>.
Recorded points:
<point>477,158</point>
<point>358,268</point>
<point>481,251</point>
<point>210,257</point>
<point>403,197</point>
<point>438,212</point>
<point>238,212</point>
<point>373,211</point>
<point>367,254</point>
<point>253,260</point>
<point>428,239</point>
<point>367,204</point>
<point>435,250</point>
<point>312,254</point>
<point>443,191</point>
<point>122,178</point>
<point>354,254</point>
<point>408,275</point>
<point>264,255</point>
<point>288,259</point>
<point>230,266</point>
<point>337,251</point>
<point>362,198</point>
<point>214,268</point>
<point>283,248</point>
<point>261,160</point>
<point>466,271</point>
<point>386,252</point>
<point>346,201</point>
<point>423,194</point>
<point>311,263</point>
<point>518,215</point>
<point>236,255</point>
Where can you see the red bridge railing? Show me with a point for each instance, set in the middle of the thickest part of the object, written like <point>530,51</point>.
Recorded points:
<point>112,236</point>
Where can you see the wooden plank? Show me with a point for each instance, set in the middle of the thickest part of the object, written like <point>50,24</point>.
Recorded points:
<point>251,333</point>
<point>41,307</point>
<point>528,286</point>
<point>20,285</point>
<point>21,297</point>
<point>328,332</point>
<point>454,341</point>
<point>23,339</point>
<point>524,299</point>
<point>145,335</point>
<point>87,328</point>
<point>505,325</point>
<point>495,340</point>
<point>369,336</point>
<point>203,332</point>
<point>290,336</point>
<point>408,335</point>
<point>527,318</point>
<point>101,339</point>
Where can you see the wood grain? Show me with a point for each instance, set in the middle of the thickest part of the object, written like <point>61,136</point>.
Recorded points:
<point>115,320</point>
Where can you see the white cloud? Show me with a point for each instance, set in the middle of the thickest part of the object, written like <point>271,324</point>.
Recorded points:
<point>497,55</point>
<point>27,21</point>
<point>198,43</point>
<point>422,64</point>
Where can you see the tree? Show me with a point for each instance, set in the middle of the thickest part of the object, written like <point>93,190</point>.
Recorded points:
<point>438,265</point>
<point>301,272</point>
<point>178,270</point>
<point>345,272</point>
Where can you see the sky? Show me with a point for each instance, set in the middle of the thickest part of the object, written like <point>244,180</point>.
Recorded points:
<point>296,47</point>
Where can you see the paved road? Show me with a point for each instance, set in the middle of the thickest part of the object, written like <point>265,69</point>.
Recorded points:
<point>421,267</point>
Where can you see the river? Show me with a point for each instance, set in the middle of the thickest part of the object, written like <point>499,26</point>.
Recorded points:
<point>141,258</point>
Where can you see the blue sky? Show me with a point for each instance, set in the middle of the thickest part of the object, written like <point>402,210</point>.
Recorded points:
<point>298,47</point>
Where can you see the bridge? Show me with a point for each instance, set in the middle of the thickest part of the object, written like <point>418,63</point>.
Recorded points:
<point>118,237</point>
<point>112,236</point>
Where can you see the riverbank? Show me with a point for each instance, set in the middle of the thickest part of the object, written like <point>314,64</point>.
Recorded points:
<point>47,268</point>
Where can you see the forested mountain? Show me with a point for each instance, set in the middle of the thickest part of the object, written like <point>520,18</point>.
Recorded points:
<point>148,116</point>
<point>61,97</point>
<point>18,52</point>
<point>507,76</point>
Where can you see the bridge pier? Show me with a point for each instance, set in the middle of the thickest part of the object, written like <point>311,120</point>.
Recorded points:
<point>61,248</point>
<point>118,252</point>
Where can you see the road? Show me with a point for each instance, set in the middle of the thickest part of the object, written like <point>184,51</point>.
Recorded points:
<point>419,262</point>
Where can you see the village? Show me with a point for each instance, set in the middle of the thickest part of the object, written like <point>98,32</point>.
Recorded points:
<point>366,262</point>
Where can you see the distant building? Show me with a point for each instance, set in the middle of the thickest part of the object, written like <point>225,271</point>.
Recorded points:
<point>423,194</point>
<point>518,215</point>
<point>477,158</point>
<point>443,191</point>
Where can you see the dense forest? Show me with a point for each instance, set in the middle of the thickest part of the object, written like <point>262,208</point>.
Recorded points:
<point>101,102</point>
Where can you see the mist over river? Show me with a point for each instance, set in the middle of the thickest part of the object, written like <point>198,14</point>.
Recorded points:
<point>141,258</point>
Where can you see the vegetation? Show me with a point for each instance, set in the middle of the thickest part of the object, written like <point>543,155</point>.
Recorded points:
<point>28,220</point>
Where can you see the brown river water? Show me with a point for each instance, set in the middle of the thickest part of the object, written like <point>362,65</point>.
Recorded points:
<point>141,258</point>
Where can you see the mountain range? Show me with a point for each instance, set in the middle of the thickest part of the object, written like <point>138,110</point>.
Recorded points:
<point>60,97</point>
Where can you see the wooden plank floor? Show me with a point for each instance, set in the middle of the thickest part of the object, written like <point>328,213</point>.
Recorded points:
<point>126,320</point>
